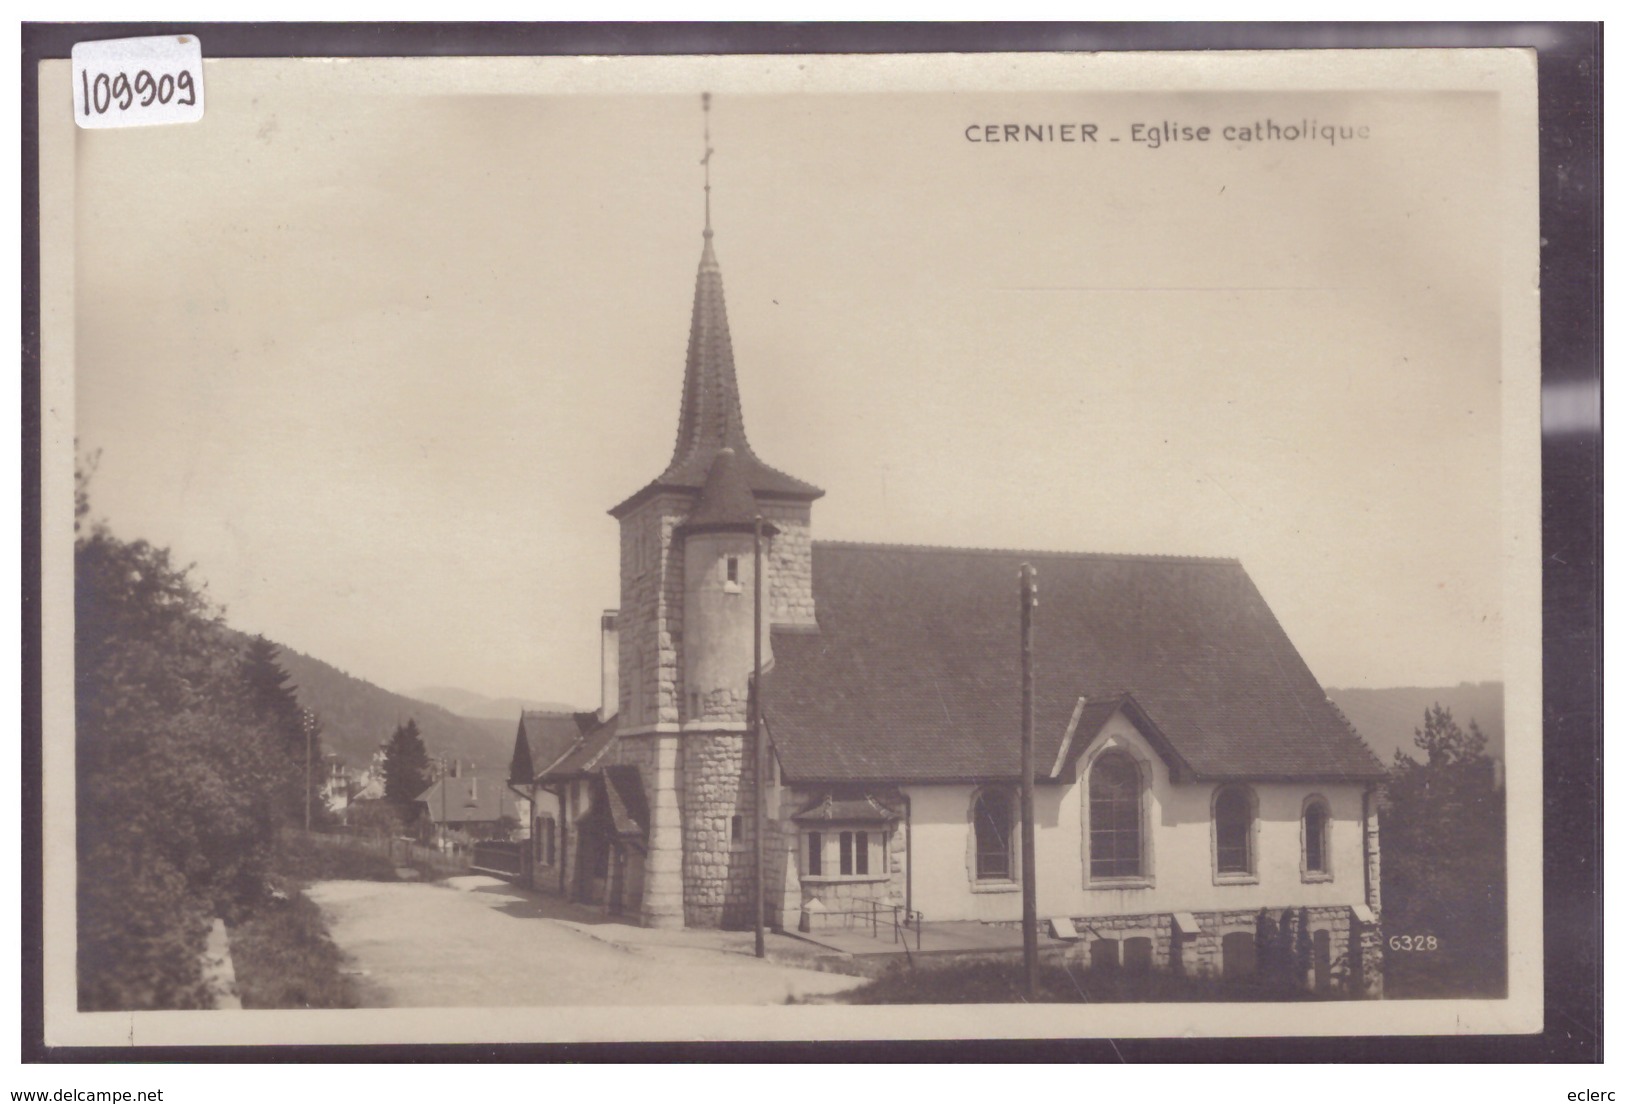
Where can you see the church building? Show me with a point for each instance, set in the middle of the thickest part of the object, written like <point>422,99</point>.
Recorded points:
<point>1194,785</point>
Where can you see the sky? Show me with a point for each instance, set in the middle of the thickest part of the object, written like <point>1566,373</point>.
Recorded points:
<point>378,359</point>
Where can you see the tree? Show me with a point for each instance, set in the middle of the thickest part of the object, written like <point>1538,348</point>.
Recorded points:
<point>406,764</point>
<point>1303,949</point>
<point>1266,947</point>
<point>174,776</point>
<point>296,731</point>
<point>1444,859</point>
<point>181,745</point>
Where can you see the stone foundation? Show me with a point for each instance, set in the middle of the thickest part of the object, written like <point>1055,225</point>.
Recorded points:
<point>1283,940</point>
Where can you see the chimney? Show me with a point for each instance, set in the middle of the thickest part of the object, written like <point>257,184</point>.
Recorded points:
<point>610,690</point>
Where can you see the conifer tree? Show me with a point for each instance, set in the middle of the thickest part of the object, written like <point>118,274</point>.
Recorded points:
<point>1264,945</point>
<point>1444,860</point>
<point>406,764</point>
<point>1303,949</point>
<point>294,731</point>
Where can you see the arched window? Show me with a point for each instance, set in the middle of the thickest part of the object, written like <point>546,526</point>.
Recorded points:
<point>1114,817</point>
<point>1317,822</point>
<point>1233,832</point>
<point>993,820</point>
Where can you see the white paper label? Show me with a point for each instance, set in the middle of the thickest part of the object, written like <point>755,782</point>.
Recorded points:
<point>125,82</point>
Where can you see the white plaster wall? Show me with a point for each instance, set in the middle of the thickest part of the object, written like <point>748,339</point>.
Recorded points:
<point>1178,830</point>
<point>719,619</point>
<point>544,804</point>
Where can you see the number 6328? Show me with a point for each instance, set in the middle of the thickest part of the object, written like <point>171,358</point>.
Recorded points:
<point>1413,942</point>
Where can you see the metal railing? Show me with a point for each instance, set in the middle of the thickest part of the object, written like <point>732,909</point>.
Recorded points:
<point>878,914</point>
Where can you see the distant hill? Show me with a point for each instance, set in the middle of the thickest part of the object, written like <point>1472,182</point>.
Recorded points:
<point>1388,718</point>
<point>466,703</point>
<point>357,716</point>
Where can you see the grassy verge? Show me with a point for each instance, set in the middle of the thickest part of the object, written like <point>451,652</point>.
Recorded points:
<point>285,959</point>
<point>281,951</point>
<point>1003,983</point>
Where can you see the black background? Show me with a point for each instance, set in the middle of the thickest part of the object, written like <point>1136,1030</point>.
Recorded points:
<point>1570,77</point>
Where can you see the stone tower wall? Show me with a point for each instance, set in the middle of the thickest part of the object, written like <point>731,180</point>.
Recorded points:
<point>650,620</point>
<point>718,867</point>
<point>697,781</point>
<point>790,565</point>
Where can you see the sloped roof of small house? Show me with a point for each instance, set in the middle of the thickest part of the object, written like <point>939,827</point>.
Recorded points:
<point>914,672</point>
<point>880,806</point>
<point>584,756</point>
<point>543,738</point>
<point>628,806</point>
<point>478,795</point>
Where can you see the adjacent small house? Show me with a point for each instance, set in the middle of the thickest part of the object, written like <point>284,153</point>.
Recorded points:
<point>544,738</point>
<point>475,803</point>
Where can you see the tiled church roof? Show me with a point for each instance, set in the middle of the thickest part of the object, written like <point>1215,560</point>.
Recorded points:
<point>712,418</point>
<point>914,672</point>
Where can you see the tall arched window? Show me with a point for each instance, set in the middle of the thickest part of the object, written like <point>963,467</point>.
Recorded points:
<point>1114,817</point>
<point>1233,832</point>
<point>993,820</point>
<point>1317,822</point>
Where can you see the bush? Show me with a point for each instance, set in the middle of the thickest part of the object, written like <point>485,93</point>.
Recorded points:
<point>284,958</point>
<point>315,858</point>
<point>178,773</point>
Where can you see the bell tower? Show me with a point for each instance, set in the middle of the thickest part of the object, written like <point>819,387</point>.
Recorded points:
<point>685,624</point>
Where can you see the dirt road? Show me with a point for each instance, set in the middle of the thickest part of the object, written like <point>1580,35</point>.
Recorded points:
<point>476,941</point>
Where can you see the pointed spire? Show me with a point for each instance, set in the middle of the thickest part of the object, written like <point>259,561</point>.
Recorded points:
<point>711,418</point>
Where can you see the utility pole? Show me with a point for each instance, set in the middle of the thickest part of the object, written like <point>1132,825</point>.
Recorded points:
<point>307,721</point>
<point>1029,861</point>
<point>760,773</point>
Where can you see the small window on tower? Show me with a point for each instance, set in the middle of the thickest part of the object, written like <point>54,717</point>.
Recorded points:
<point>733,569</point>
<point>735,827</point>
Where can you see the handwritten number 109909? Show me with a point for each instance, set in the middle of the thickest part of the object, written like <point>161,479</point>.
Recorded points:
<point>106,92</point>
